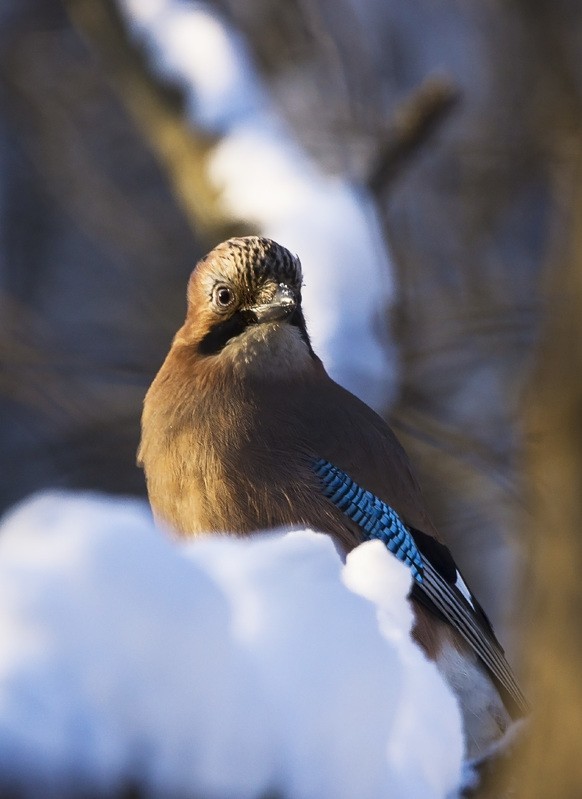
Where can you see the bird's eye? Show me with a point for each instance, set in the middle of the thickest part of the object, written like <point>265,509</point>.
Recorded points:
<point>223,296</point>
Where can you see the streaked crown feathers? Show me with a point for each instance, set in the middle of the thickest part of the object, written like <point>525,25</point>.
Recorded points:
<point>250,262</point>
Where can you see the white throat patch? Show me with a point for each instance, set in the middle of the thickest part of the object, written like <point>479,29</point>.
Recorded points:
<point>270,349</point>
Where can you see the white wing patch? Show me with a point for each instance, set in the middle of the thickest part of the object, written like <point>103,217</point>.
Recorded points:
<point>462,586</point>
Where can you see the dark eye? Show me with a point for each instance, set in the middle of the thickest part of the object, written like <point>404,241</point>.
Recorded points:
<point>223,296</point>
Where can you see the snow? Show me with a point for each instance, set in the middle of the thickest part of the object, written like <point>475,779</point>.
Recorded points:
<point>267,179</point>
<point>217,668</point>
<point>189,43</point>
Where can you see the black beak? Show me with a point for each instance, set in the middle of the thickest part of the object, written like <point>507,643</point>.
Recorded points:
<point>281,305</point>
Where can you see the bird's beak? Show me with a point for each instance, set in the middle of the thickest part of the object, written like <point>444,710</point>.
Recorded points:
<point>281,305</point>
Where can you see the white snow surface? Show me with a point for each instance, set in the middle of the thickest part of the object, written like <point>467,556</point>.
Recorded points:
<point>267,179</point>
<point>215,668</point>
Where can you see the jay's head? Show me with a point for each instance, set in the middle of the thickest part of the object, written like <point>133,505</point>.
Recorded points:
<point>244,305</point>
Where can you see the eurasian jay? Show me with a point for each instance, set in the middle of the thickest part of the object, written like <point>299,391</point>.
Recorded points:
<point>243,430</point>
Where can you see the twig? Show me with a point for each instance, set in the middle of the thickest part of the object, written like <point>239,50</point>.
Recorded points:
<point>414,122</point>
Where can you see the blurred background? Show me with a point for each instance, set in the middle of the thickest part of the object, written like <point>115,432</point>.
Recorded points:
<point>424,160</point>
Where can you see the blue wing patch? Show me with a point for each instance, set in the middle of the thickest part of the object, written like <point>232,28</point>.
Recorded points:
<point>376,518</point>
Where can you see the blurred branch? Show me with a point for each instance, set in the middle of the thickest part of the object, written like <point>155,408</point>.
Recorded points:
<point>457,444</point>
<point>413,124</point>
<point>56,139</point>
<point>550,764</point>
<point>157,108</point>
<point>483,772</point>
<point>91,161</point>
<point>29,373</point>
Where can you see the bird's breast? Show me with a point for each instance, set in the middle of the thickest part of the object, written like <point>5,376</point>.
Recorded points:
<point>238,461</point>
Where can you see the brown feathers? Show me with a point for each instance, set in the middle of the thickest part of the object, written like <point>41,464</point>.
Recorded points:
<point>242,407</point>
<point>230,428</point>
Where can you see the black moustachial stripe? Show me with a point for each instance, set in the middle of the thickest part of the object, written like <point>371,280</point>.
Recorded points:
<point>221,333</point>
<point>218,336</point>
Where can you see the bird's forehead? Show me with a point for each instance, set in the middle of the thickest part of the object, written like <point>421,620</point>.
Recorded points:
<point>253,260</point>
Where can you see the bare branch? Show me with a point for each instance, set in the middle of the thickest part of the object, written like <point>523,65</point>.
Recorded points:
<point>414,122</point>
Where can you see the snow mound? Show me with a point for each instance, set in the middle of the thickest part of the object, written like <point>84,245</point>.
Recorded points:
<point>216,668</point>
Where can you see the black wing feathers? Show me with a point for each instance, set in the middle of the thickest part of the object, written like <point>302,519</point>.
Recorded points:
<point>443,562</point>
<point>439,593</point>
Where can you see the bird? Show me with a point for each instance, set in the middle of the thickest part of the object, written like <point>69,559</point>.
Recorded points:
<point>244,430</point>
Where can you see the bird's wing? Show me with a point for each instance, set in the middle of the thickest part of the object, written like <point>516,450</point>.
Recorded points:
<point>437,583</point>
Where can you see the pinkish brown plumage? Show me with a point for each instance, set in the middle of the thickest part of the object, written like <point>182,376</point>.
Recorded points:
<point>236,416</point>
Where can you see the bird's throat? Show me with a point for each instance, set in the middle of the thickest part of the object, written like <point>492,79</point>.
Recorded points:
<point>270,350</point>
